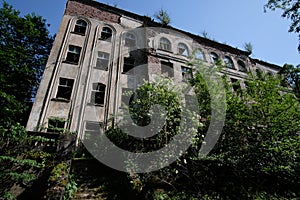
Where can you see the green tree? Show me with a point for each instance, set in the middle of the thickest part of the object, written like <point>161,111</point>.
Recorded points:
<point>257,154</point>
<point>25,44</point>
<point>291,77</point>
<point>163,17</point>
<point>291,10</point>
<point>248,47</point>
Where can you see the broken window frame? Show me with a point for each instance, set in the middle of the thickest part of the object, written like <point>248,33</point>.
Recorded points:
<point>183,49</point>
<point>128,65</point>
<point>56,125</point>
<point>64,90</point>
<point>80,27</point>
<point>213,57</point>
<point>106,34</point>
<point>186,73</point>
<point>98,94</point>
<point>228,62</point>
<point>73,54</point>
<point>102,60</point>
<point>241,66</point>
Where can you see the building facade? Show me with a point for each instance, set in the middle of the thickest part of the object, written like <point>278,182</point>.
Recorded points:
<point>96,55</point>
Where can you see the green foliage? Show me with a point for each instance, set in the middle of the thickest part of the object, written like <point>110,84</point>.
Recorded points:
<point>248,47</point>
<point>9,196</point>
<point>163,17</point>
<point>19,162</point>
<point>59,172</point>
<point>257,155</point>
<point>262,124</point>
<point>71,187</point>
<point>291,78</point>
<point>143,108</point>
<point>291,10</point>
<point>25,45</point>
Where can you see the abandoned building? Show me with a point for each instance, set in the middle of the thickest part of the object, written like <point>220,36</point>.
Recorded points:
<point>93,60</point>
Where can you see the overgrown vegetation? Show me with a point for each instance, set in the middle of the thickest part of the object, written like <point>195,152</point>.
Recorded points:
<point>256,157</point>
<point>25,44</point>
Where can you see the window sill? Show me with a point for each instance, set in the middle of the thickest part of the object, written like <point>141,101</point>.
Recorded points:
<point>107,40</point>
<point>126,73</point>
<point>81,34</point>
<point>101,68</point>
<point>95,104</point>
<point>169,51</point>
<point>60,100</point>
<point>70,62</point>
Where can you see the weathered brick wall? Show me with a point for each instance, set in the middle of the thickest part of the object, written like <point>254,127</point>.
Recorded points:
<point>76,8</point>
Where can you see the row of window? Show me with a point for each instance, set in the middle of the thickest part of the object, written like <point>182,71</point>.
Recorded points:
<point>130,40</point>
<point>81,26</point>
<point>65,88</point>
<point>65,85</point>
<point>106,33</point>
<point>165,44</point>
<point>98,94</point>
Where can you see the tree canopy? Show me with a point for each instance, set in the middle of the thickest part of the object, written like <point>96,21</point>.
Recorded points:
<point>25,44</point>
<point>291,10</point>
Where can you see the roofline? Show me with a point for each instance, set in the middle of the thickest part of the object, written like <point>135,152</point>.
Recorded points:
<point>265,63</point>
<point>150,22</point>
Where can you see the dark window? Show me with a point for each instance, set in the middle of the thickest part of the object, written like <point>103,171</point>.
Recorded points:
<point>56,125</point>
<point>73,54</point>
<point>183,49</point>
<point>259,73</point>
<point>80,27</point>
<point>106,34</point>
<point>270,73</point>
<point>128,64</point>
<point>98,94</point>
<point>241,66</point>
<point>102,60</point>
<point>214,57</point>
<point>186,73</point>
<point>235,84</point>
<point>64,90</point>
<point>228,62</point>
<point>167,69</point>
<point>130,40</point>
<point>199,54</point>
<point>165,44</point>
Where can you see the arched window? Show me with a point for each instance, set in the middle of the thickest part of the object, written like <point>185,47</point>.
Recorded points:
<point>228,62</point>
<point>242,66</point>
<point>80,27</point>
<point>130,40</point>
<point>165,44</point>
<point>98,94</point>
<point>183,49</point>
<point>270,73</point>
<point>199,54</point>
<point>214,57</point>
<point>259,72</point>
<point>106,34</point>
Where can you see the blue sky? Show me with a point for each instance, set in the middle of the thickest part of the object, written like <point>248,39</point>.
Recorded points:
<point>233,22</point>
